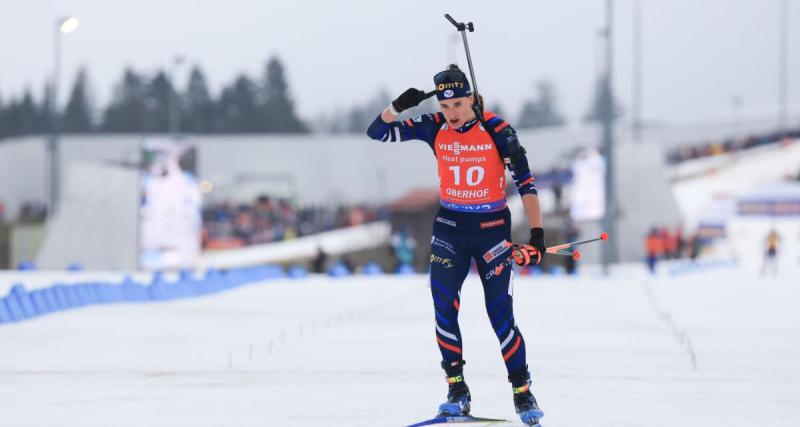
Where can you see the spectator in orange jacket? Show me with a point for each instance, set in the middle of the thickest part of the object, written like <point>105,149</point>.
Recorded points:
<point>654,246</point>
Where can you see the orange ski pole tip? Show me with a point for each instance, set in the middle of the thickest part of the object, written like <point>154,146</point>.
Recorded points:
<point>603,236</point>
<point>576,255</point>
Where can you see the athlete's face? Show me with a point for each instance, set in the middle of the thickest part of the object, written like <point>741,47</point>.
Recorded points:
<point>457,111</point>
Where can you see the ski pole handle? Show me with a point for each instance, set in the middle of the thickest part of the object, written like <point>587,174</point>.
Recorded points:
<point>460,26</point>
<point>499,269</point>
<point>453,21</point>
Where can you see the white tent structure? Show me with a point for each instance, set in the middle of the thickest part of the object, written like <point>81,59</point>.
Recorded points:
<point>96,223</point>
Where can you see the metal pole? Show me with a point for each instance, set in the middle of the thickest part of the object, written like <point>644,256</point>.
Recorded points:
<point>609,251</point>
<point>471,70</point>
<point>783,63</point>
<point>174,101</point>
<point>477,107</point>
<point>173,109</point>
<point>637,71</point>
<point>55,117</point>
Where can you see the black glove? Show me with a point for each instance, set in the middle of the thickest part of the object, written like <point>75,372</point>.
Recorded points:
<point>410,98</point>
<point>537,241</point>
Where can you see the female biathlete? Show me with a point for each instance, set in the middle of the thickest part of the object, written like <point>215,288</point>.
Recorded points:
<point>473,222</point>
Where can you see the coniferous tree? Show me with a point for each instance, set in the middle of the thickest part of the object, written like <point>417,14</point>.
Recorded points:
<point>126,113</point>
<point>157,103</point>
<point>77,115</point>
<point>597,109</point>
<point>10,116</point>
<point>3,125</point>
<point>238,107</point>
<point>198,107</point>
<point>45,116</point>
<point>24,117</point>
<point>227,115</point>
<point>278,108</point>
<point>246,93</point>
<point>542,111</point>
<point>140,104</point>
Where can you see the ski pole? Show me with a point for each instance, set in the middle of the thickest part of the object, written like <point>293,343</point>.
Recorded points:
<point>576,255</point>
<point>462,28</point>
<point>561,249</point>
<point>603,236</point>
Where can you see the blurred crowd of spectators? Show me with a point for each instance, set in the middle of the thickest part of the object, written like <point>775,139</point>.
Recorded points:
<point>708,149</point>
<point>665,244</point>
<point>661,244</point>
<point>227,225</point>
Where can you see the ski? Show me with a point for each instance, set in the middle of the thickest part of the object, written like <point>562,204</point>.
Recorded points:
<point>458,419</point>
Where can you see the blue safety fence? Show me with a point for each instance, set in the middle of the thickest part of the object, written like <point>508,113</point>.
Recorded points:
<point>21,304</point>
<point>372,269</point>
<point>339,269</point>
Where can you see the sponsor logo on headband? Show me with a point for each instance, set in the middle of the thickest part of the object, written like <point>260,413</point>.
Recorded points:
<point>453,85</point>
<point>448,93</point>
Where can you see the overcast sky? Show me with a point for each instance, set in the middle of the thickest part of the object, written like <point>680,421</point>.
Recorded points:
<point>698,54</point>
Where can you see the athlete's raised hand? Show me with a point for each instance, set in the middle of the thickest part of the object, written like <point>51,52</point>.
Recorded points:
<point>408,99</point>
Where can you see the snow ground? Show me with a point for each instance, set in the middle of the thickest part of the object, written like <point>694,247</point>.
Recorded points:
<point>361,352</point>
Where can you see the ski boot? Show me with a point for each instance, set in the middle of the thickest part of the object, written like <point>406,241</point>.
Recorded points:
<point>524,403</point>
<point>458,396</point>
